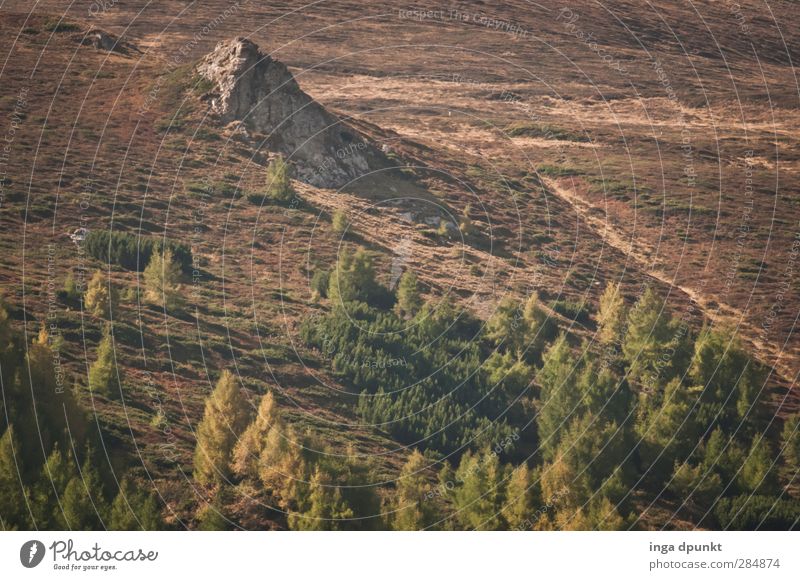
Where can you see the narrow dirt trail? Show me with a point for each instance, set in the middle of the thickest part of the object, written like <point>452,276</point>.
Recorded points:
<point>638,253</point>
<point>446,266</point>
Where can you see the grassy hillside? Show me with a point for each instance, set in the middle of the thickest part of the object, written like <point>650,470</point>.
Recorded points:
<point>665,165</point>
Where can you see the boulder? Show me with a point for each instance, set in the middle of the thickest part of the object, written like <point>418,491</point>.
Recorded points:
<point>259,91</point>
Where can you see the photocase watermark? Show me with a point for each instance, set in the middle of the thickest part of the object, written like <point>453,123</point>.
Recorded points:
<point>31,553</point>
<point>198,229</point>
<point>545,508</point>
<point>14,122</point>
<point>95,558</point>
<point>53,332</point>
<point>400,256</point>
<point>784,289</point>
<point>453,15</point>
<point>181,54</point>
<point>736,11</point>
<point>569,18</point>
<point>319,172</point>
<point>98,7</point>
<point>372,363</point>
<point>69,558</point>
<point>743,230</point>
<point>450,485</point>
<point>168,447</point>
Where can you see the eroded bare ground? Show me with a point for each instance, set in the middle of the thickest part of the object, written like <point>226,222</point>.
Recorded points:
<point>673,160</point>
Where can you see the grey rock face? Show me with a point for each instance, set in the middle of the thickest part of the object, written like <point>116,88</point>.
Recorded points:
<point>261,93</point>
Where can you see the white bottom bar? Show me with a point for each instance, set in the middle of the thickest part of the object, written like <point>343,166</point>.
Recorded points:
<point>400,555</point>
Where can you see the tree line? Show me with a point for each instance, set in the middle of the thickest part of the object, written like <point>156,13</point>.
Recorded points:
<point>512,424</point>
<point>55,469</point>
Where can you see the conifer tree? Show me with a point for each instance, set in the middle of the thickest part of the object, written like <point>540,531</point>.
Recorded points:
<point>70,287</point>
<point>358,493</point>
<point>281,467</point>
<point>729,377</point>
<point>104,374</point>
<point>559,401</point>
<point>101,297</point>
<point>57,408</point>
<point>248,449</point>
<point>507,326</point>
<point>320,282</point>
<point>478,498</point>
<point>48,491</point>
<point>408,298</point>
<point>520,500</point>
<point>84,504</point>
<point>572,520</point>
<point>611,315</point>
<point>655,347</point>
<point>325,508</point>
<point>162,280</point>
<point>353,278</point>
<point>602,393</point>
<point>279,182</point>
<point>339,222</point>
<point>13,504</point>
<point>790,443</point>
<point>414,508</point>
<point>538,326</point>
<point>134,509</point>
<point>758,474</point>
<point>694,483</point>
<point>224,419</point>
<point>603,516</point>
<point>668,429</point>
<point>562,487</point>
<point>722,456</point>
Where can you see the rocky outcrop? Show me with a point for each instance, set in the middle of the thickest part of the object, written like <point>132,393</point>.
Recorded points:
<point>260,92</point>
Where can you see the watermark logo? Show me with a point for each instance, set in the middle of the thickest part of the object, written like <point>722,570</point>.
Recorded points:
<point>31,553</point>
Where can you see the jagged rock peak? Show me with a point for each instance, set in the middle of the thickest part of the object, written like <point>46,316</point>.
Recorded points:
<point>259,91</point>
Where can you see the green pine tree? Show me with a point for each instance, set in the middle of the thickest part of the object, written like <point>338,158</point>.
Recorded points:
<point>758,474</point>
<point>353,278</point>
<point>730,379</point>
<point>655,346</point>
<point>409,300</point>
<point>560,397</point>
<point>13,501</point>
<point>162,278</point>
<point>790,444</point>
<point>611,315</point>
<point>478,498</point>
<point>134,509</point>
<point>279,182</point>
<point>84,504</point>
<point>104,374</point>
<point>507,327</point>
